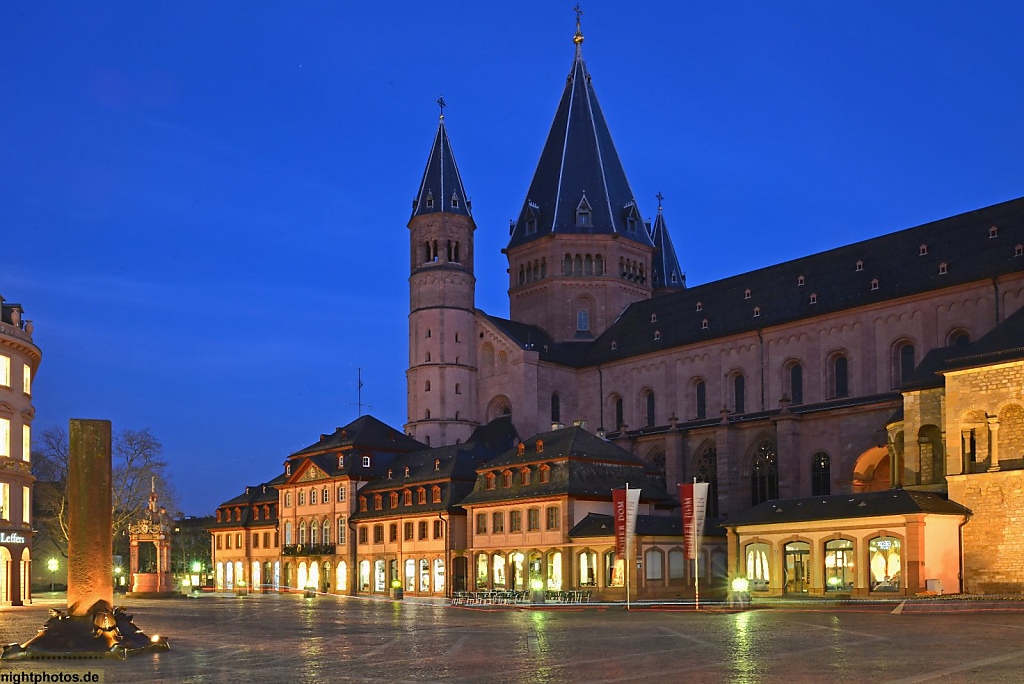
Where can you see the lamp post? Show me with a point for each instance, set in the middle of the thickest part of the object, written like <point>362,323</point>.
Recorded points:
<point>52,566</point>
<point>117,575</point>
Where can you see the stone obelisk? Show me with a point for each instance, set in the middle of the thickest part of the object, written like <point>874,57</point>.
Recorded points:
<point>90,519</point>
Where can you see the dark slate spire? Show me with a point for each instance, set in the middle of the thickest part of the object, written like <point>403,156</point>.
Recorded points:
<point>579,186</point>
<point>441,188</point>
<point>665,271</point>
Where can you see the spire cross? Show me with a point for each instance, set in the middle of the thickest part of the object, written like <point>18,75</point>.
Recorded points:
<point>660,197</point>
<point>441,103</point>
<point>578,38</point>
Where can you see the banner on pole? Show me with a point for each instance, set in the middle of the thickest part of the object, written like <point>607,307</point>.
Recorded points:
<point>625,503</point>
<point>694,498</point>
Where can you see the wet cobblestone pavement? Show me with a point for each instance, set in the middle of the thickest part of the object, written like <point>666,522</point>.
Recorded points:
<point>329,639</point>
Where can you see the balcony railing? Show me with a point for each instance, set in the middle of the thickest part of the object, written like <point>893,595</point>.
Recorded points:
<point>308,550</point>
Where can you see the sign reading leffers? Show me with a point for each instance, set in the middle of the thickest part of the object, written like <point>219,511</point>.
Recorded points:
<point>11,538</point>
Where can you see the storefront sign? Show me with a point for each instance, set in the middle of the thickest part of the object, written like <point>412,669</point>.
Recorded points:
<point>11,538</point>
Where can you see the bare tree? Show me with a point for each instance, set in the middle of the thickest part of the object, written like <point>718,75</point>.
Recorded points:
<point>137,463</point>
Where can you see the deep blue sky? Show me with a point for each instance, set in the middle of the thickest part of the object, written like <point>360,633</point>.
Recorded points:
<point>203,204</point>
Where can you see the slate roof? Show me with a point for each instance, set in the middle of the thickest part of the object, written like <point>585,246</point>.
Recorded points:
<point>665,270</point>
<point>451,467</point>
<point>441,189</point>
<point>365,432</point>
<point>263,493</point>
<point>960,242</point>
<point>1003,343</point>
<point>579,163</point>
<point>600,525</point>
<point>846,506</point>
<point>582,465</point>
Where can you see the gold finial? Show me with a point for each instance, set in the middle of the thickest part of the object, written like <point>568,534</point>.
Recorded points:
<point>441,103</point>
<point>578,38</point>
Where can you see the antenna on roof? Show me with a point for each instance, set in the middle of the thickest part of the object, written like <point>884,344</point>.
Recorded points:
<point>359,392</point>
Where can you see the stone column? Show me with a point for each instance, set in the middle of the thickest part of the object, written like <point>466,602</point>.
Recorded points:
<point>90,519</point>
<point>993,433</point>
<point>965,444</point>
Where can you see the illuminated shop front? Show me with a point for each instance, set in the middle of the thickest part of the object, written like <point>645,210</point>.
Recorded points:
<point>850,545</point>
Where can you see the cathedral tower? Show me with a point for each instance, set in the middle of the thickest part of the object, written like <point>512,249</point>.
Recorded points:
<point>442,364</point>
<point>579,252</point>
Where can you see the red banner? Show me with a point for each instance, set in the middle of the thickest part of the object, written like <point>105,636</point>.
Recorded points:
<point>619,507</point>
<point>694,498</point>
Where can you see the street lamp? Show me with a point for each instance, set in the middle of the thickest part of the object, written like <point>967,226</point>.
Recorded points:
<point>117,575</point>
<point>52,566</point>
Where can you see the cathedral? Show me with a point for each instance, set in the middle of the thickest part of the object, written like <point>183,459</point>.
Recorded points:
<point>888,364</point>
<point>857,414</point>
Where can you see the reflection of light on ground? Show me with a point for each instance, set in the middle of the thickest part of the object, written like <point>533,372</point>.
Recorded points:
<point>744,664</point>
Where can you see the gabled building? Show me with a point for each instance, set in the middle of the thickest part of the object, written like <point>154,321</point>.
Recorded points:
<point>245,542</point>
<point>411,525</point>
<point>527,500</point>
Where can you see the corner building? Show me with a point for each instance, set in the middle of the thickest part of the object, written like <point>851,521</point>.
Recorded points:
<point>19,361</point>
<point>788,382</point>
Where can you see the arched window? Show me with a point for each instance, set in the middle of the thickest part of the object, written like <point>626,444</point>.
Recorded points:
<point>958,338</point>
<point>650,409</point>
<point>556,409</point>
<point>619,422</point>
<point>701,394</point>
<point>598,265</point>
<point>314,534</point>
<point>764,474</point>
<point>706,470</point>
<point>588,265</point>
<point>657,461</point>
<point>796,383</point>
<point>821,474</point>
<point>288,533</point>
<point>839,368</point>
<point>302,532</point>
<point>739,391</point>
<point>583,320</point>
<point>903,363</point>
<point>654,565</point>
<point>567,265</point>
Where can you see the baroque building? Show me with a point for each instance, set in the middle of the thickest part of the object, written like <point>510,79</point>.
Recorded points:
<point>19,361</point>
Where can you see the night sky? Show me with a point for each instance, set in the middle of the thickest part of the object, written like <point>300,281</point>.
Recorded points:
<point>203,204</point>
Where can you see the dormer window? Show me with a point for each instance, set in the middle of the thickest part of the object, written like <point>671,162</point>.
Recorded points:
<point>430,200</point>
<point>874,283</point>
<point>378,502</point>
<point>366,461</point>
<point>704,324</point>
<point>859,266</point>
<point>407,497</point>
<point>799,281</point>
<point>675,277</point>
<point>341,462</point>
<point>700,306</point>
<point>657,335</point>
<point>489,480</point>
<point>922,250</point>
<point>393,500</point>
<point>814,298</point>
<point>406,471</point>
<point>746,293</point>
<point>583,214</point>
<point>993,232</point>
<point>288,469</point>
<point>455,202</point>
<point>389,473</point>
<point>1018,251</point>
<point>437,464</point>
<point>757,311</point>
<point>942,268</point>
<point>615,345</point>
<point>632,217</point>
<point>654,318</point>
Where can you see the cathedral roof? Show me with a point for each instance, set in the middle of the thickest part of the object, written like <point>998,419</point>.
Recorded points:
<point>441,189</point>
<point>579,171</point>
<point>977,245</point>
<point>665,270</point>
<point>365,432</point>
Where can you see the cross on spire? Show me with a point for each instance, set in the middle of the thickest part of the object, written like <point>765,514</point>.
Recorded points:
<point>578,38</point>
<point>441,103</point>
<point>660,197</point>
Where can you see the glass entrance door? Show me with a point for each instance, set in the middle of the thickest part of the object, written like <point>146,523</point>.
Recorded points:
<point>798,568</point>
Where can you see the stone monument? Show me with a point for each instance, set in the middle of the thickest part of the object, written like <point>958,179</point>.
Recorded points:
<point>91,627</point>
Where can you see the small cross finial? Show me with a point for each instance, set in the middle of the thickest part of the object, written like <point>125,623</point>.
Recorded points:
<point>441,103</point>
<point>578,38</point>
<point>660,197</point>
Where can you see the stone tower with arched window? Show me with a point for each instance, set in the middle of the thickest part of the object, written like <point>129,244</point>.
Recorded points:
<point>580,251</point>
<point>442,365</point>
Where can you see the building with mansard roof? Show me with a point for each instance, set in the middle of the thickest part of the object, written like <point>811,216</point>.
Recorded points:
<point>791,381</point>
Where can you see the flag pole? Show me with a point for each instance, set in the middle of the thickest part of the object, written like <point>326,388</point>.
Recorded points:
<point>625,561</point>
<point>696,556</point>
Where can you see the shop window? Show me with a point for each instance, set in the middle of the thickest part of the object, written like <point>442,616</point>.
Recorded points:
<point>839,566</point>
<point>614,570</point>
<point>498,570</point>
<point>653,565</point>
<point>885,564</point>
<point>588,569</point>
<point>758,567</point>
